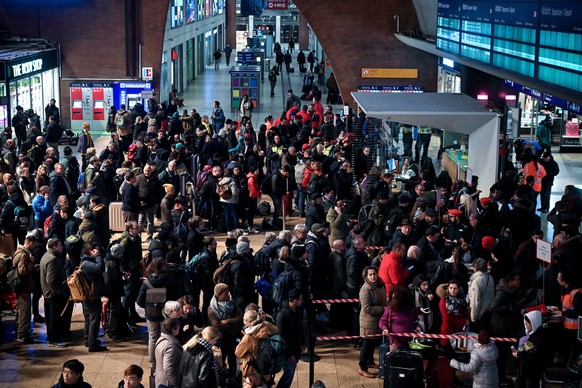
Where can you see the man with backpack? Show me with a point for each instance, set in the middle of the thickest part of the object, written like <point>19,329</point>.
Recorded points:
<point>24,263</point>
<point>289,321</point>
<point>15,216</point>
<point>239,277</point>
<point>130,267</point>
<point>201,268</point>
<point>123,125</point>
<point>93,267</point>
<point>273,73</point>
<point>113,280</point>
<point>279,186</point>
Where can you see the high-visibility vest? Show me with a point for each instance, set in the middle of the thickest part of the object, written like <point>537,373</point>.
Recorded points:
<point>568,305</point>
<point>424,130</point>
<point>538,174</point>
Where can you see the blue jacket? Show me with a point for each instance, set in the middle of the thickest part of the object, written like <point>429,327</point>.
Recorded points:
<point>42,207</point>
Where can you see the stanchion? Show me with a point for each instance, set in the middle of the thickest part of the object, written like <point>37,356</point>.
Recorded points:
<point>311,356</point>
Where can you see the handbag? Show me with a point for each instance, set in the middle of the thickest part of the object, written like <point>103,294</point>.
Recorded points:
<point>7,245</point>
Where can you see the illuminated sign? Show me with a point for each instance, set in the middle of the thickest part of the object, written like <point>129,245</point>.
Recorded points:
<point>147,73</point>
<point>389,73</point>
<point>276,5</point>
<point>27,67</point>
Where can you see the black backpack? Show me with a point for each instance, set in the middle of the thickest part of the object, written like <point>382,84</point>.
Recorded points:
<point>270,358</point>
<point>272,75</point>
<point>267,186</point>
<point>155,301</point>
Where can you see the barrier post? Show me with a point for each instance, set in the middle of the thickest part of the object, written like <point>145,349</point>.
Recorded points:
<point>311,350</point>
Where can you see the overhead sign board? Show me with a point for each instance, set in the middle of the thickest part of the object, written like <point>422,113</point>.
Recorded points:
<point>368,72</point>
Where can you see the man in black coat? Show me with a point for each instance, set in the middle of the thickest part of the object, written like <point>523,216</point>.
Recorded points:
<point>279,186</point>
<point>150,194</point>
<point>315,212</point>
<point>289,322</point>
<point>356,260</point>
<point>54,131</point>
<point>552,169</point>
<point>58,184</point>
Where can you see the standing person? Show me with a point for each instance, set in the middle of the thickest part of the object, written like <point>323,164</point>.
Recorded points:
<point>217,55</point>
<point>291,100</point>
<point>130,201</point>
<point>280,59</point>
<point>202,281</point>
<point>289,322</point>
<point>481,293</point>
<point>400,316</point>
<point>130,268</point>
<point>291,44</point>
<point>533,353</point>
<point>373,301</point>
<point>356,261</point>
<point>72,375</point>
<point>217,117</point>
<point>301,61</point>
<point>422,142</point>
<point>198,367</point>
<point>111,119</point>
<point>114,291</point>
<point>58,184</point>
<point>13,211</point>
<point>85,141</point>
<point>552,169</point>
<point>24,262</point>
<point>311,59</point>
<point>453,308</point>
<point>246,107</point>
<point>279,185</point>
<point>168,354</point>
<point>256,330</point>
<point>227,53</point>
<point>273,73</point>
<point>544,134</point>
<point>93,267</point>
<point>123,124</point>
<point>150,194</point>
<point>51,110</point>
<point>254,198</point>
<point>53,281</point>
<point>288,59</point>
<point>482,364</point>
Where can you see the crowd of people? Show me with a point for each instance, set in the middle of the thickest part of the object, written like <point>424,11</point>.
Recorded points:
<point>449,257</point>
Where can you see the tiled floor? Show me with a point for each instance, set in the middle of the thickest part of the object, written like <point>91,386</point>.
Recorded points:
<point>39,365</point>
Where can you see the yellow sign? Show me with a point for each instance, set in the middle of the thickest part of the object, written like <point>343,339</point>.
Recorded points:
<point>389,73</point>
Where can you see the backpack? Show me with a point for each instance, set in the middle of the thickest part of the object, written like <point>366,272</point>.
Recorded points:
<point>21,216</point>
<point>193,267</point>
<point>266,186</point>
<point>201,178</point>
<point>299,171</point>
<point>313,186</point>
<point>79,286</point>
<point>363,214</point>
<point>132,152</point>
<point>46,226</point>
<point>31,150</point>
<point>262,261</point>
<point>224,191</point>
<point>181,228</point>
<point>110,276</point>
<point>13,280</point>
<point>222,273</point>
<point>264,208</point>
<point>81,180</point>
<point>155,301</point>
<point>73,246</point>
<point>272,76</point>
<point>119,120</point>
<point>281,287</point>
<point>270,358</point>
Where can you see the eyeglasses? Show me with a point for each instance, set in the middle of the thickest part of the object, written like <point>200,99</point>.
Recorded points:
<point>69,372</point>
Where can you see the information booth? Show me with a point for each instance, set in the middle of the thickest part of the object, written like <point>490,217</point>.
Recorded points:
<point>245,80</point>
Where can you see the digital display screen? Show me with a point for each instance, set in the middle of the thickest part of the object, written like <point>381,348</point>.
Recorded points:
<point>78,104</point>
<point>541,39</point>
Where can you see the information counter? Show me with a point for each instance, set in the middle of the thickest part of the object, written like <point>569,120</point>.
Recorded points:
<point>455,162</point>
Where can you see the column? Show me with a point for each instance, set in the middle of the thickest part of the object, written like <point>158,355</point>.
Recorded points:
<point>278,28</point>
<point>303,34</point>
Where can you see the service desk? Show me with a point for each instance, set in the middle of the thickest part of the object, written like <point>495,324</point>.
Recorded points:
<point>455,166</point>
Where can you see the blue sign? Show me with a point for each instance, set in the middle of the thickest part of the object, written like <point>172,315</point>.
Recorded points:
<point>245,57</point>
<point>565,17</point>
<point>128,93</point>
<point>391,89</point>
<point>545,97</point>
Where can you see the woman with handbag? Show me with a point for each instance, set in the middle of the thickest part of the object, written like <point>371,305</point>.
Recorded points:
<point>400,316</point>
<point>373,301</point>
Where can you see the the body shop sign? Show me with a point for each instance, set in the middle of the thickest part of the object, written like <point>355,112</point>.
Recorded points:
<point>32,64</point>
<point>277,5</point>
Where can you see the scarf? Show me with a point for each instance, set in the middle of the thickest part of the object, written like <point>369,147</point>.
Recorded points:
<point>223,310</point>
<point>206,344</point>
<point>455,305</point>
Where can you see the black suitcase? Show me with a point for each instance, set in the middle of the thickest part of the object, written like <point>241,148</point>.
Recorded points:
<point>383,351</point>
<point>403,369</point>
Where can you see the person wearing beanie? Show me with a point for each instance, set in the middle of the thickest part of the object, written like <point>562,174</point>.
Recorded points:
<point>482,364</point>
<point>236,273</point>
<point>488,242</point>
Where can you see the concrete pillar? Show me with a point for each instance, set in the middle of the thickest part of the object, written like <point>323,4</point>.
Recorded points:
<point>231,23</point>
<point>251,25</point>
<point>277,29</point>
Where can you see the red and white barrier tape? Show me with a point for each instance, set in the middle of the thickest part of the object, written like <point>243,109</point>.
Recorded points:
<point>419,335</point>
<point>349,300</point>
<point>379,247</point>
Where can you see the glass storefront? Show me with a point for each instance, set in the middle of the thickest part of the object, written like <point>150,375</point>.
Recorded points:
<point>31,82</point>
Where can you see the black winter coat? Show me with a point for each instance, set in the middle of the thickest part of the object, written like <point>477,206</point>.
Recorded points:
<point>197,368</point>
<point>355,263</point>
<point>289,323</point>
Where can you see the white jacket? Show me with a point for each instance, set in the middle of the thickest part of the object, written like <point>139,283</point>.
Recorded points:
<point>481,294</point>
<point>483,365</point>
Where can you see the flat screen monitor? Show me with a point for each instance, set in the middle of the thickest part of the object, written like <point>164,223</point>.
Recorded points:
<point>78,104</point>
<point>99,104</point>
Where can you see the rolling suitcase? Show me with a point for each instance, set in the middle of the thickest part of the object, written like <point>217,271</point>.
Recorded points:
<point>439,373</point>
<point>383,351</point>
<point>403,369</point>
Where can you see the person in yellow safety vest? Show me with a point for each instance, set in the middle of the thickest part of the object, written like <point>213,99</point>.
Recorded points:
<point>535,169</point>
<point>571,309</point>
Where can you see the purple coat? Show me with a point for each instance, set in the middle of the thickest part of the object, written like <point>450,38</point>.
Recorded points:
<point>399,322</point>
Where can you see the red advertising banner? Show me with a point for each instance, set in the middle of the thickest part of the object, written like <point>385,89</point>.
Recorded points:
<point>277,5</point>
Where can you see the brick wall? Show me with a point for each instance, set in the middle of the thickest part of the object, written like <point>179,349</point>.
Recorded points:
<point>357,34</point>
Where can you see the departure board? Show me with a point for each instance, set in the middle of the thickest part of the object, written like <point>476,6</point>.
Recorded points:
<point>541,39</point>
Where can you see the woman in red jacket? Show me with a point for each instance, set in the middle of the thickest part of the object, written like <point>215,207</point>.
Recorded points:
<point>254,197</point>
<point>454,309</point>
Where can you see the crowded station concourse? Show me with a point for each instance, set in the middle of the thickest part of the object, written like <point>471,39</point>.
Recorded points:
<point>273,220</point>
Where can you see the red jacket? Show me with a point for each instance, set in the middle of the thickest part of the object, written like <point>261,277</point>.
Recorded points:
<point>253,185</point>
<point>451,323</point>
<point>392,272</point>
<point>306,176</point>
